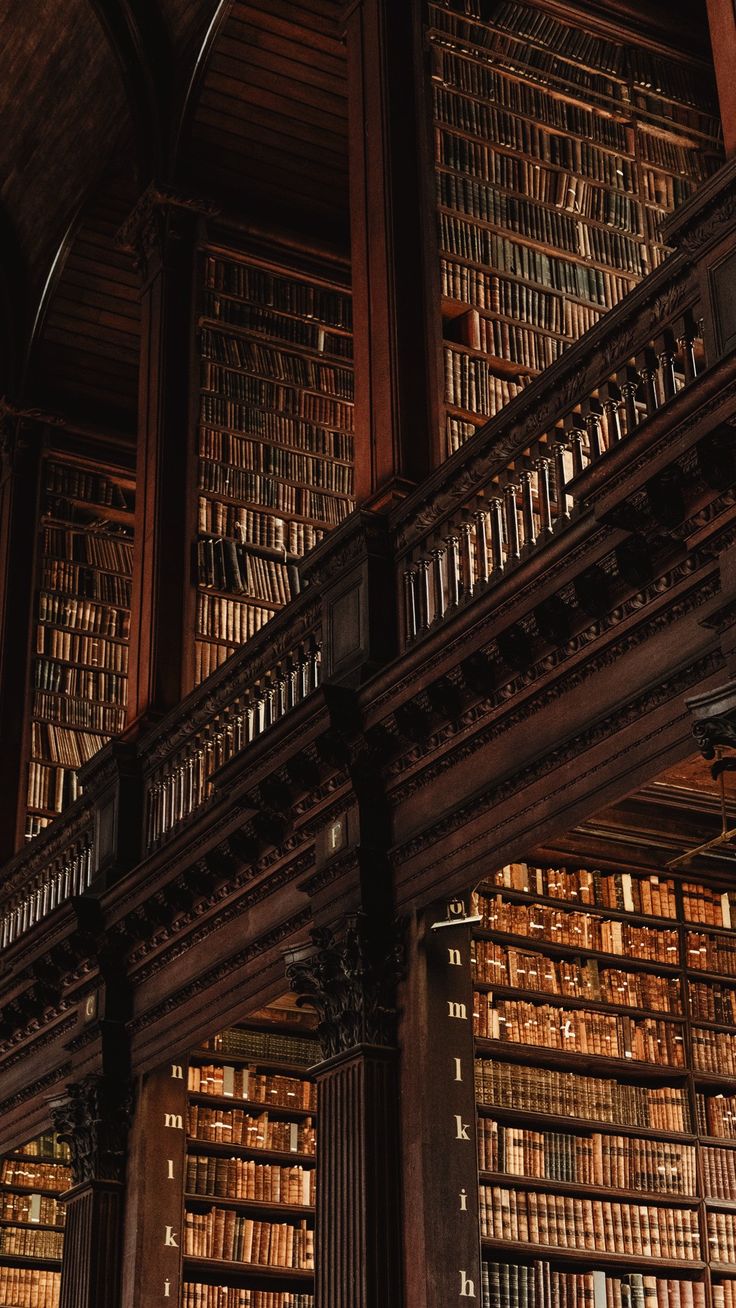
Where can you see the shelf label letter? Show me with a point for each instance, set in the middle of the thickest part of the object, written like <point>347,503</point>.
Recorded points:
<point>462,1128</point>
<point>170,1173</point>
<point>463,1201</point>
<point>170,1238</point>
<point>174,1120</point>
<point>458,1069</point>
<point>467,1288</point>
<point>455,959</point>
<point>457,1010</point>
<point>167,1289</point>
<point>177,1072</point>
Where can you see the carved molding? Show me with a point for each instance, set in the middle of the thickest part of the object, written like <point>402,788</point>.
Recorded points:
<point>350,981</point>
<point>153,220</point>
<point>93,1118</point>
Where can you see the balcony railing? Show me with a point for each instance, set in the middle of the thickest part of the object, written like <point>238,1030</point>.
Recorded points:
<point>500,500</point>
<point>511,488</point>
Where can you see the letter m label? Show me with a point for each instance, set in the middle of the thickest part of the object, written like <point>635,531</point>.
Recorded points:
<point>174,1120</point>
<point>457,1010</point>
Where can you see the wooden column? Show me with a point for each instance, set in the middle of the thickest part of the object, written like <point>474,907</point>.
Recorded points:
<point>722,24</point>
<point>162,233</point>
<point>395,296</point>
<point>349,977</point>
<point>92,1117</point>
<point>19,476</point>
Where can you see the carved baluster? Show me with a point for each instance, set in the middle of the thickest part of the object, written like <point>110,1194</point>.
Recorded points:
<point>629,391</point>
<point>497,554</point>
<point>438,583</point>
<point>611,407</point>
<point>466,560</point>
<point>481,547</point>
<point>563,512</point>
<point>410,603</point>
<point>594,429</point>
<point>452,557</point>
<point>648,372</point>
<point>666,359</point>
<point>545,499</point>
<point>686,341</point>
<point>527,510</point>
<point>315,662</point>
<point>574,440</point>
<point>423,593</point>
<point>512,522</point>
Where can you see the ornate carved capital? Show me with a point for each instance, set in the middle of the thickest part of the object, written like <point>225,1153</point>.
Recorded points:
<point>154,220</point>
<point>350,980</point>
<point>714,727</point>
<point>93,1118</point>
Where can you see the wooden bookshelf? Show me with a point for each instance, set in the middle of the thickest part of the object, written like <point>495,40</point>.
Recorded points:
<point>612,1179</point>
<point>558,153</point>
<point>250,1171</point>
<point>32,1222</point>
<point>80,663</point>
<point>275,440</point>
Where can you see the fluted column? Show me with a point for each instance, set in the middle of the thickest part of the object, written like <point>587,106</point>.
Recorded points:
<point>349,977</point>
<point>92,1117</point>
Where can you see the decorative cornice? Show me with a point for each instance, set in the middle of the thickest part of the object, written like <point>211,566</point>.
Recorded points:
<point>150,222</point>
<point>93,1118</point>
<point>350,979</point>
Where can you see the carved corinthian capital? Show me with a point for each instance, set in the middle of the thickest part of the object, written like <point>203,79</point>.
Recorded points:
<point>93,1118</point>
<point>349,977</point>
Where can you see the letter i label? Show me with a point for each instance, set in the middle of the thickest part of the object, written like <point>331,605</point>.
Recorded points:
<point>170,1172</point>
<point>167,1289</point>
<point>463,1201</point>
<point>458,1069</point>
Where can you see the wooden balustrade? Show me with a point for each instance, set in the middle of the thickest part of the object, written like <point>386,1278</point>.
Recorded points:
<point>36,885</point>
<point>518,473</point>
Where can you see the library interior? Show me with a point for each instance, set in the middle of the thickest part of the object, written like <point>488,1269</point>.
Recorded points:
<point>368,654</point>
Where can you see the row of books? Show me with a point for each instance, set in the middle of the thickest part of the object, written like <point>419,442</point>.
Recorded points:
<point>717,1115</point>
<point>482,245</point>
<point>100,549</point>
<point>64,745</point>
<point>665,190</point>
<point>517,344</point>
<point>31,1207</point>
<point>711,953</point>
<point>518,129</point>
<point>234,1126</point>
<point>547,226</point>
<point>470,383</point>
<point>620,890</point>
<point>243,1178</point>
<point>493,294</point>
<point>69,679</point>
<point>208,657</point>
<point>72,483</point>
<point>85,583</point>
<point>68,611</point>
<point>567,160</point>
<point>263,321</point>
<point>578,1031</point>
<point>51,788</point>
<point>714,1051</point>
<point>229,620</point>
<point>576,978</point>
<point>93,651</point>
<point>225,564</point>
<point>261,359</point>
<point>293,432</point>
<point>458,431</point>
<point>676,158</point>
<point>276,461</point>
<point>538,1285</point>
<point>266,1046</point>
<point>272,1088</point>
<point>226,1234</point>
<point>194,1295</point>
<point>29,1287</point>
<point>27,1174</point>
<point>568,1094</point>
<point>719,1173</point>
<point>106,718</point>
<point>612,1161</point>
<point>277,396</point>
<point>26,1242</point>
<point>248,525</point>
<point>268,490</point>
<point>722,1238</point>
<point>577,929</point>
<point>284,292</point>
<point>576,1223</point>
<point>724,1295</point>
<point>713,907</point>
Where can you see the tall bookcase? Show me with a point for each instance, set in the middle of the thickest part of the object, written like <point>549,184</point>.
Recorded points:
<point>250,1172</point>
<point>275,439</point>
<point>559,149</point>
<point>605,1030</point>
<point>80,662</point>
<point>32,1222</point>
